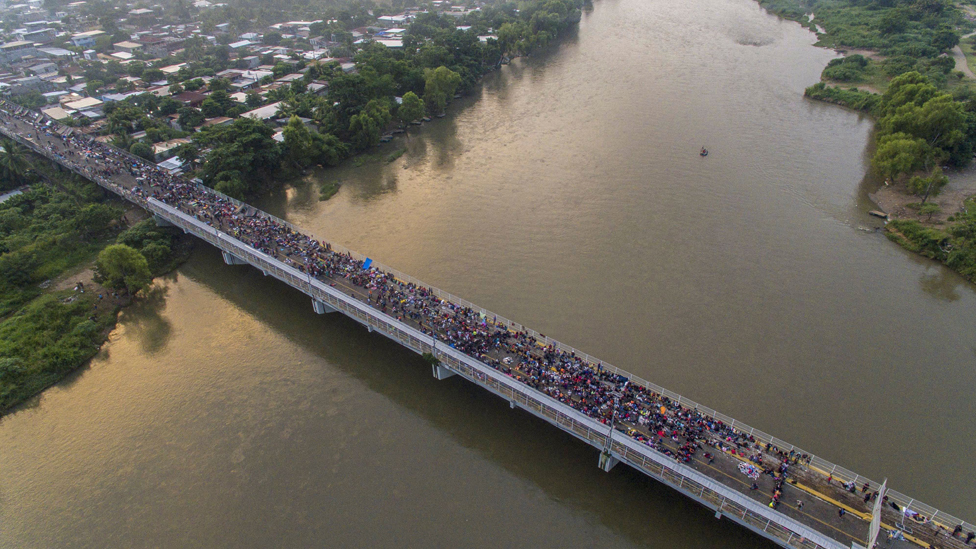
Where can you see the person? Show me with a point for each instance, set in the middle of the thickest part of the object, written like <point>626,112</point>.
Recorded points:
<point>841,513</point>
<point>799,505</point>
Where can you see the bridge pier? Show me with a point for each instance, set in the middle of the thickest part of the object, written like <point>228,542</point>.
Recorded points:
<point>232,259</point>
<point>322,308</point>
<point>441,372</point>
<point>607,461</point>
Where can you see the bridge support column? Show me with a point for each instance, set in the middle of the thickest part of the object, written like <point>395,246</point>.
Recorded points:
<point>322,308</point>
<point>441,372</point>
<point>607,461</point>
<point>232,259</point>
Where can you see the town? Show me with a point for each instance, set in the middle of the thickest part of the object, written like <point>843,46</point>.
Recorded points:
<point>183,86</point>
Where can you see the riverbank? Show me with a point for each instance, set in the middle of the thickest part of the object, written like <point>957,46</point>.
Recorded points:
<point>885,47</point>
<point>56,315</point>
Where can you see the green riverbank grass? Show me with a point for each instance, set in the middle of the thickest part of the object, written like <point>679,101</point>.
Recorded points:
<point>328,189</point>
<point>50,237</point>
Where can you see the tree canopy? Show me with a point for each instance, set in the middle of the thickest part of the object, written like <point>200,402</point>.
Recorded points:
<point>122,267</point>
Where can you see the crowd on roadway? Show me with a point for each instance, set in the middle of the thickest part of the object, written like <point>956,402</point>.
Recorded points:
<point>647,416</point>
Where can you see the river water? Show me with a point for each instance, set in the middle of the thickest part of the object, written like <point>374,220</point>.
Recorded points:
<point>566,194</point>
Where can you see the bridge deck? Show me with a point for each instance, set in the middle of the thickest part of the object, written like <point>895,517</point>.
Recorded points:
<point>708,458</point>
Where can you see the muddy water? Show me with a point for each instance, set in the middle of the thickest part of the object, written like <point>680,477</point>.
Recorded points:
<point>567,194</point>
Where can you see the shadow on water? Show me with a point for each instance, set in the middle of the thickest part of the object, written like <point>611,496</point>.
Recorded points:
<point>146,321</point>
<point>942,284</point>
<point>560,465</point>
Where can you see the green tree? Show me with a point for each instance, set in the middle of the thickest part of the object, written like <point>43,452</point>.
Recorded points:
<point>190,118</point>
<point>122,267</point>
<point>211,108</point>
<point>13,164</point>
<point>929,209</point>
<point>142,150</point>
<point>152,75</point>
<point>928,186</point>
<point>364,130</point>
<point>187,152</point>
<point>243,156</point>
<point>329,148</point>
<point>219,84</point>
<point>441,83</point>
<point>168,106</point>
<point>412,108</point>
<point>299,147</point>
<point>95,218</point>
<point>193,85</point>
<point>899,154</point>
<point>253,100</point>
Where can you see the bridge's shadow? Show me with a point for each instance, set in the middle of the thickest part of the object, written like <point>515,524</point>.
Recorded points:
<point>624,500</point>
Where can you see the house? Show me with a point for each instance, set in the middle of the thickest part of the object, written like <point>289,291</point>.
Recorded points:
<point>29,84</point>
<point>289,78</point>
<point>392,44</point>
<point>56,113</point>
<point>318,87</point>
<point>167,149</point>
<point>172,165</point>
<point>53,97</point>
<point>390,21</point>
<point>40,36</point>
<point>266,112</point>
<point>57,53</point>
<point>159,46</point>
<point>82,104</point>
<point>173,69</point>
<point>251,61</point>
<point>217,121</point>
<point>127,47</point>
<point>43,68</point>
<point>191,99</point>
<point>15,51</point>
<point>86,39</point>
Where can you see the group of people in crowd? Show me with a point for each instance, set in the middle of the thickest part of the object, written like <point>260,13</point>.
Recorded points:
<point>647,416</point>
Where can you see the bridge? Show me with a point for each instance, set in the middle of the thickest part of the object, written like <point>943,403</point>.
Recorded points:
<point>765,484</point>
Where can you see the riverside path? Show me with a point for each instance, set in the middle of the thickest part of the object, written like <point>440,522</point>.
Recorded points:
<point>761,482</point>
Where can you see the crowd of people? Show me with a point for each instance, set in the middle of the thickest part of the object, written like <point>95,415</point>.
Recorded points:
<point>645,415</point>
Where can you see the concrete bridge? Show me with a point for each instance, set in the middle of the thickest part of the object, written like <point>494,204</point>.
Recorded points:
<point>715,481</point>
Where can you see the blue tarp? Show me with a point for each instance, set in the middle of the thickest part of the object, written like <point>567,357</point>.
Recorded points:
<point>367,263</point>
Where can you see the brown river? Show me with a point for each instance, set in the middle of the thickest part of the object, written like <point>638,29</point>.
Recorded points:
<point>567,194</point>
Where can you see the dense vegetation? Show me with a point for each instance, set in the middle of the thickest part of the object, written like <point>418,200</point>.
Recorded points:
<point>925,117</point>
<point>954,244</point>
<point>911,35</point>
<point>44,233</point>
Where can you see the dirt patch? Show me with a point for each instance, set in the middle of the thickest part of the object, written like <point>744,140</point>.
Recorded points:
<point>894,200</point>
<point>870,54</point>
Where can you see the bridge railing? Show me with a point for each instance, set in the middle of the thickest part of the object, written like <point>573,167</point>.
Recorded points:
<point>822,466</point>
<point>684,478</point>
